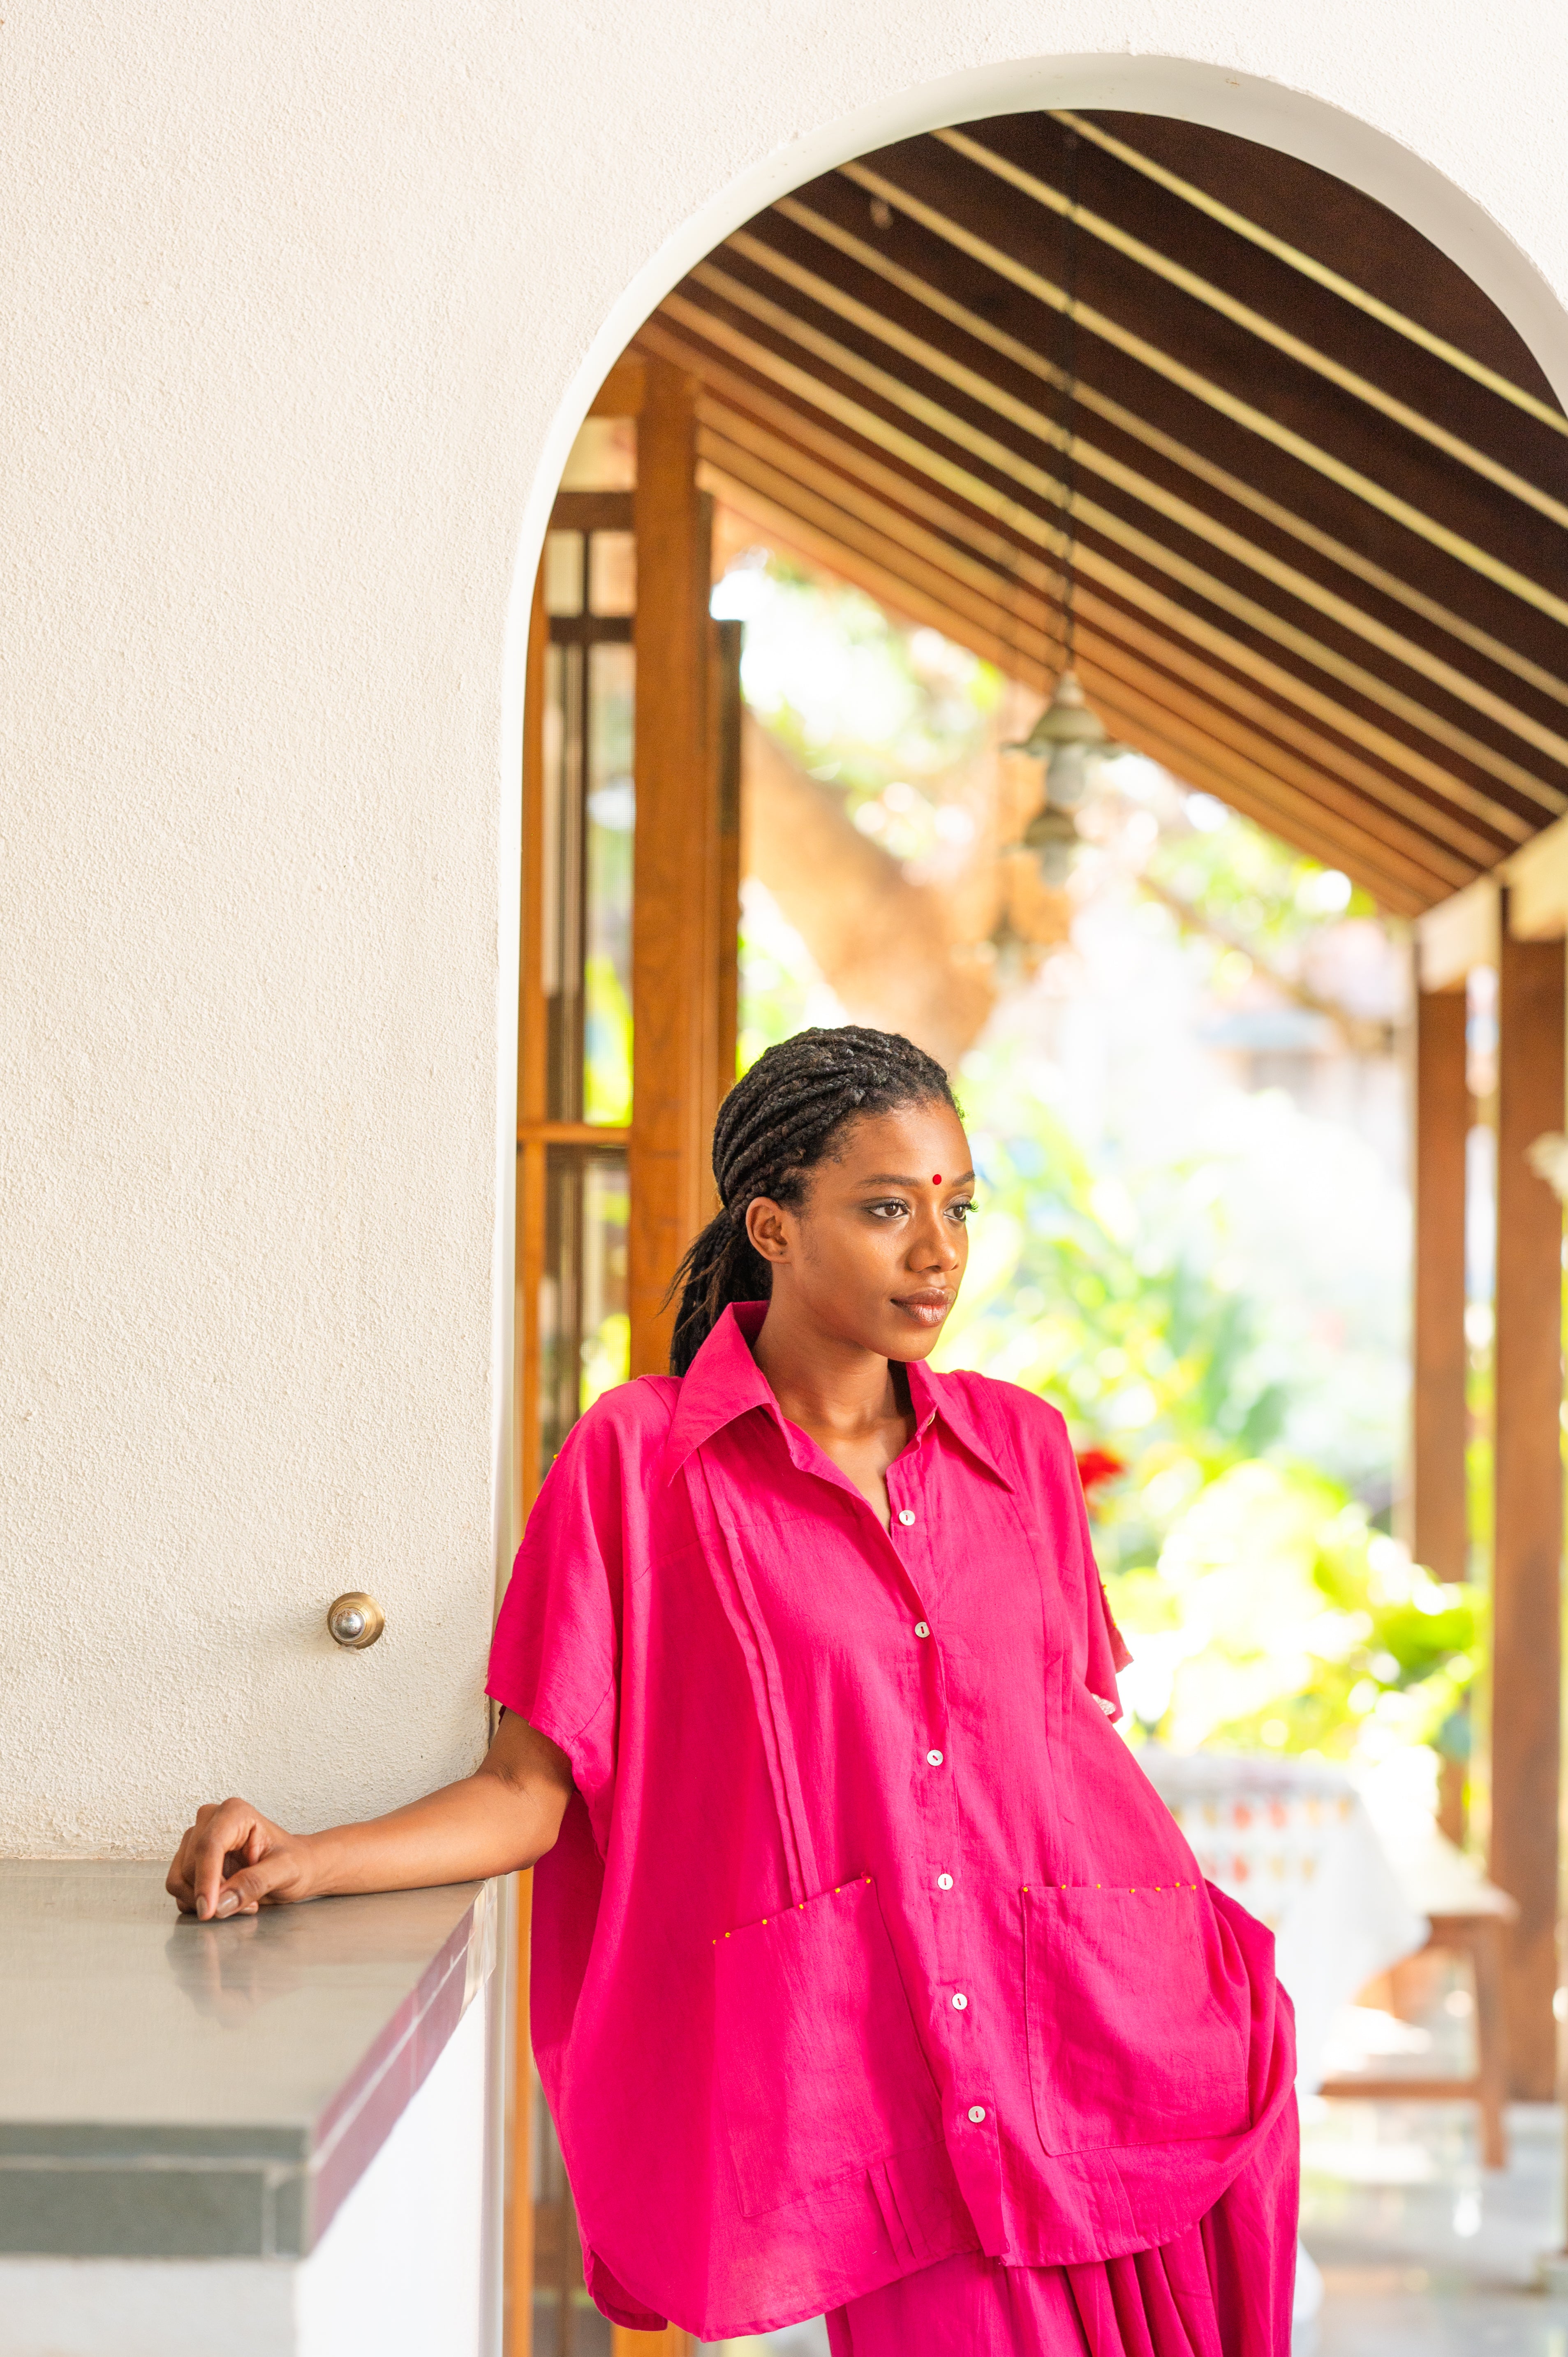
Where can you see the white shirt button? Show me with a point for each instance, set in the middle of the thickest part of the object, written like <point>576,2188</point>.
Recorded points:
<point>922,1629</point>
<point>977,2113</point>
<point>944,1882</point>
<point>960,2001</point>
<point>933,1758</point>
<point>906,1516</point>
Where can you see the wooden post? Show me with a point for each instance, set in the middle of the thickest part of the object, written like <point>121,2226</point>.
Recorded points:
<point>1438,1420</point>
<point>1527,1587</point>
<point>673,979</point>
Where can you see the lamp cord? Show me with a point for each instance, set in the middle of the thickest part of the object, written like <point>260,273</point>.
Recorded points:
<point>1069,393</point>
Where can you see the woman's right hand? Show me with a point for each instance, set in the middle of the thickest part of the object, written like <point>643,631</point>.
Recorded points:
<point>234,1860</point>
<point>505,1815</point>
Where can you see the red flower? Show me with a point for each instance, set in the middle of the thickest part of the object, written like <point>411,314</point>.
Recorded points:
<point>1098,1465</point>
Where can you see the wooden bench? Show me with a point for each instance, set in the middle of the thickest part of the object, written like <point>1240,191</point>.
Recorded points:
<point>1469,1917</point>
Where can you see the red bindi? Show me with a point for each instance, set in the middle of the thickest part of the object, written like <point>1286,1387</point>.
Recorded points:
<point>936,1177</point>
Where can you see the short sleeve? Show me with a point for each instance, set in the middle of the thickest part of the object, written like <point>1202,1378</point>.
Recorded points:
<point>555,1655</point>
<point>1105,1649</point>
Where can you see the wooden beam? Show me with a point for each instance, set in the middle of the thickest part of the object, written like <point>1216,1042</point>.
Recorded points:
<point>1007,575</point>
<point>674,987</point>
<point>992,625</point>
<point>1284,340</point>
<point>941,424</point>
<point>1527,1601</point>
<point>1456,936</point>
<point>1537,878</point>
<point>1198,519</point>
<point>1180,326</point>
<point>1200,760</point>
<point>965,277</point>
<point>1310,267</point>
<point>980,388</point>
<point>1439,1420</point>
<point>1362,832</point>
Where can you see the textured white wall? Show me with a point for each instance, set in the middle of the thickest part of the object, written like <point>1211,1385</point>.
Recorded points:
<point>303,304</point>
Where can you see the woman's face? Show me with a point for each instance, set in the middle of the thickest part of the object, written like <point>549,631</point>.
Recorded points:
<point>875,1254</point>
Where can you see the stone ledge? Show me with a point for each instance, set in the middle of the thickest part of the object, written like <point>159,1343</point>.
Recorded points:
<point>171,2089</point>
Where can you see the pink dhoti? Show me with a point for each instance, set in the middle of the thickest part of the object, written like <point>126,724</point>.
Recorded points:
<point>1221,2289</point>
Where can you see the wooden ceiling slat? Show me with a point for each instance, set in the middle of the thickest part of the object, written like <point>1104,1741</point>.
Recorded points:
<point>1217,535</point>
<point>1230,487</point>
<point>1229,404</point>
<point>1375,785</point>
<point>1291,347</point>
<point>740,476</point>
<point>1399,883</point>
<point>1311,528</point>
<point>1271,488</point>
<point>1292,255</point>
<point>867,526</point>
<point>775,317</point>
<point>735,401</point>
<point>1009,616</point>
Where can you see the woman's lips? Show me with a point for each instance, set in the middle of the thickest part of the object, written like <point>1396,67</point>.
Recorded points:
<point>930,1309</point>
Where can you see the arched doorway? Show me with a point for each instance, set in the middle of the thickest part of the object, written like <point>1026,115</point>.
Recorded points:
<point>1314,479</point>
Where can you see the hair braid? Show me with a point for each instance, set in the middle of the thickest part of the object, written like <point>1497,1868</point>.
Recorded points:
<point>773,1127</point>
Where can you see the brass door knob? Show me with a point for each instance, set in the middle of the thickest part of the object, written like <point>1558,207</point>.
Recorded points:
<point>355,1621</point>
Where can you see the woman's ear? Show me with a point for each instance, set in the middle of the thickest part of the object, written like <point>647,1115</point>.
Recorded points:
<point>765,1228</point>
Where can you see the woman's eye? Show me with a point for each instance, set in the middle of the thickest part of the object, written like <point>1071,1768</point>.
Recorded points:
<point>959,1211</point>
<point>888,1210</point>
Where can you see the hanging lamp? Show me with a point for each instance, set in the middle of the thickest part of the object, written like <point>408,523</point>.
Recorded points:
<point>1069,738</point>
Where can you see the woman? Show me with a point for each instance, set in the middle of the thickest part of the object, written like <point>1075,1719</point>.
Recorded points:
<point>869,1974</point>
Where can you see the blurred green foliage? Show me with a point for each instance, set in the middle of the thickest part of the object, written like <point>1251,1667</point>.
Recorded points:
<point>1249,881</point>
<point>1263,1607</point>
<point>860,701</point>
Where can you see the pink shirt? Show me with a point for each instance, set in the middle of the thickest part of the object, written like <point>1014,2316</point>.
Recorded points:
<point>866,1941</point>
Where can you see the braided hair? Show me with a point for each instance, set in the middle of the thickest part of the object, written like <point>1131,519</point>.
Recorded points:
<point>773,1127</point>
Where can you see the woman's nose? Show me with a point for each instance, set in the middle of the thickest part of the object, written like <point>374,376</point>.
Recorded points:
<point>934,1247</point>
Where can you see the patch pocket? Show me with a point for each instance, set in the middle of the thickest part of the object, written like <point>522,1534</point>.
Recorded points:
<point>818,2068</point>
<point>1138,2010</point>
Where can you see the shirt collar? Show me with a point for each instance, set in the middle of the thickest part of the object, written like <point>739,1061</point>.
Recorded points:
<point>724,1381</point>
<point>931,1394</point>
